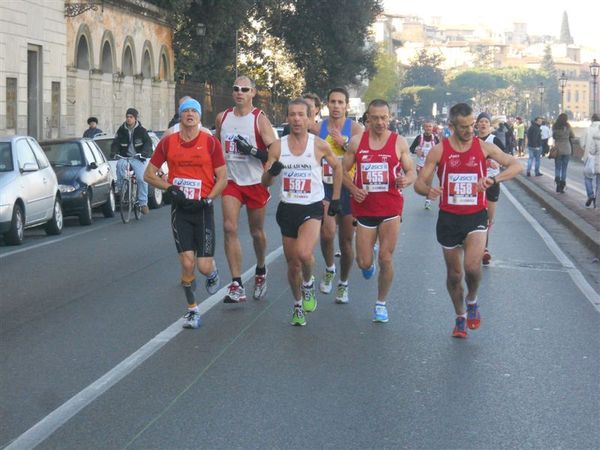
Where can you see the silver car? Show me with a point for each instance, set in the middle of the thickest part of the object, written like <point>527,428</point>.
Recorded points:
<point>29,194</point>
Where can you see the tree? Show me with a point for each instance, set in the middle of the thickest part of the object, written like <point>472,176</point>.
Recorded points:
<point>385,84</point>
<point>424,70</point>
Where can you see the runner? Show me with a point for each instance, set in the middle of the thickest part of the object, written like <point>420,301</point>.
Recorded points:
<point>300,212</point>
<point>421,146</point>
<point>197,175</point>
<point>337,131</point>
<point>462,222</point>
<point>383,168</point>
<point>246,133</point>
<point>492,193</point>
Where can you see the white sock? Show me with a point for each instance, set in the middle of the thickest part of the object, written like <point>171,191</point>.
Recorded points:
<point>471,302</point>
<point>380,302</point>
<point>331,269</point>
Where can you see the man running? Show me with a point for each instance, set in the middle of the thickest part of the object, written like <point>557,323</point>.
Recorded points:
<point>337,131</point>
<point>421,146</point>
<point>383,168</point>
<point>197,175</point>
<point>298,158</point>
<point>245,133</point>
<point>462,222</point>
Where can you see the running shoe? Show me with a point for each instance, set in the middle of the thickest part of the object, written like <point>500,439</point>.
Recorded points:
<point>337,254</point>
<point>260,286</point>
<point>486,257</point>
<point>368,273</point>
<point>191,320</point>
<point>298,318</point>
<point>213,283</point>
<point>235,293</point>
<point>309,300</point>
<point>326,284</point>
<point>460,330</point>
<point>473,316</point>
<point>380,314</point>
<point>341,294</point>
<point>428,204</point>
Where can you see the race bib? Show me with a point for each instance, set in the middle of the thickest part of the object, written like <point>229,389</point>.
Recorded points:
<point>296,184</point>
<point>327,173</point>
<point>192,189</point>
<point>375,177</point>
<point>462,189</point>
<point>231,151</point>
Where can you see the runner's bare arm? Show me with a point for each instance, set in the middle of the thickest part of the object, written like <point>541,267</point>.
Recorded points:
<point>274,153</point>
<point>266,130</point>
<point>324,151</point>
<point>218,123</point>
<point>356,129</point>
<point>220,181</point>
<point>151,177</point>
<point>423,184</point>
<point>403,154</point>
<point>347,163</point>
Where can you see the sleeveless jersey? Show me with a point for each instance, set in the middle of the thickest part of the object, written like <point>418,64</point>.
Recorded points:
<point>376,172</point>
<point>301,175</point>
<point>458,173</point>
<point>491,171</point>
<point>425,146</point>
<point>191,164</point>
<point>338,151</point>
<point>244,170</point>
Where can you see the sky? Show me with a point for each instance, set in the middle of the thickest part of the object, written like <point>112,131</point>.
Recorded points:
<point>583,17</point>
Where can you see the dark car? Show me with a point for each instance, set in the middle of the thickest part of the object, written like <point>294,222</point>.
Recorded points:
<point>85,178</point>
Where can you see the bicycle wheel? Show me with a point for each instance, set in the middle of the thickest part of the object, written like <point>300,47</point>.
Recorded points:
<point>125,203</point>
<point>136,204</point>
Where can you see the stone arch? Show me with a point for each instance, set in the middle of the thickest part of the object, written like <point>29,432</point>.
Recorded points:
<point>84,55</point>
<point>108,62</point>
<point>128,59</point>
<point>147,61</point>
<point>164,68</point>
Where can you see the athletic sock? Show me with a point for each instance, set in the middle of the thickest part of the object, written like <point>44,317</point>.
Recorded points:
<point>331,269</point>
<point>380,302</point>
<point>238,280</point>
<point>261,270</point>
<point>343,283</point>
<point>471,302</point>
<point>307,285</point>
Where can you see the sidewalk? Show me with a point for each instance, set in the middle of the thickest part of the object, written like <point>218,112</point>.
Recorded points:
<point>569,207</point>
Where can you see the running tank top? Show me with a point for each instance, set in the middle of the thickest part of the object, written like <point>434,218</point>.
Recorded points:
<point>458,173</point>
<point>376,172</point>
<point>244,170</point>
<point>426,146</point>
<point>338,150</point>
<point>491,171</point>
<point>301,182</point>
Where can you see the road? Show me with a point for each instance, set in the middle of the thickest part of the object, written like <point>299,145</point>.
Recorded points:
<point>92,354</point>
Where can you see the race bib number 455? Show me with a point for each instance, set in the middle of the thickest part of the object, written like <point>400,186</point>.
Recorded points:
<point>375,177</point>
<point>192,189</point>
<point>462,189</point>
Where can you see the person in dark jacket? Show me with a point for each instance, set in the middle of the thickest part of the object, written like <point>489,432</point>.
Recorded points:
<point>534,146</point>
<point>132,138</point>
<point>93,129</point>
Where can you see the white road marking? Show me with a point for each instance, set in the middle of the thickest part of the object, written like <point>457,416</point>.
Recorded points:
<point>57,418</point>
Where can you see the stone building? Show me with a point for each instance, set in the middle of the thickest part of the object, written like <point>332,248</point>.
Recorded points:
<point>61,62</point>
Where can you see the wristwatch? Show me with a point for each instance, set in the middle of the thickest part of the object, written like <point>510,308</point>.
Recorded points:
<point>346,144</point>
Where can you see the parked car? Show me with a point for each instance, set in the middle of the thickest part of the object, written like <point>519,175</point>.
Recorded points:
<point>85,178</point>
<point>29,193</point>
<point>104,141</point>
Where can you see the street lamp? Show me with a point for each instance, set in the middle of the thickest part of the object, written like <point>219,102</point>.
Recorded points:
<point>594,69</point>
<point>562,81</point>
<point>541,91</point>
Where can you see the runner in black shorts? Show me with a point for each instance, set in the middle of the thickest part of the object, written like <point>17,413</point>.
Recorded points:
<point>452,229</point>
<point>291,216</point>
<point>194,228</point>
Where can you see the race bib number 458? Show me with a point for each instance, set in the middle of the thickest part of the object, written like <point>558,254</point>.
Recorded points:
<point>462,189</point>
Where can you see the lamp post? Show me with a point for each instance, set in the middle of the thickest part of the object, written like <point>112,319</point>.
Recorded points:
<point>562,81</point>
<point>541,92</point>
<point>527,105</point>
<point>594,69</point>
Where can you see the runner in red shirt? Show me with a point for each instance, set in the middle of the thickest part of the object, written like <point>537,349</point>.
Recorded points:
<point>197,175</point>
<point>462,222</point>
<point>383,168</point>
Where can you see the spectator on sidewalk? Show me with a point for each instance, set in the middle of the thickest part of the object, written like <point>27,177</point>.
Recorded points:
<point>546,133</point>
<point>93,129</point>
<point>591,148</point>
<point>563,141</point>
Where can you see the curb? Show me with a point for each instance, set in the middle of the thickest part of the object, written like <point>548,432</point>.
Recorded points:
<point>584,231</point>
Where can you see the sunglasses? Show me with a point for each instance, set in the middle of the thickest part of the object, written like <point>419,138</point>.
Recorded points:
<point>244,89</point>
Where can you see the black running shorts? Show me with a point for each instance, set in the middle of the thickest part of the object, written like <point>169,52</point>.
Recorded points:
<point>374,222</point>
<point>194,229</point>
<point>452,229</point>
<point>291,216</point>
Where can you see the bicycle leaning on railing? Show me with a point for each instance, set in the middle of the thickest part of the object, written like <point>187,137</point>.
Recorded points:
<point>128,191</point>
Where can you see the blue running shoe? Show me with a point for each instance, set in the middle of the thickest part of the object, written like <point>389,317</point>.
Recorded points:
<point>473,316</point>
<point>368,273</point>
<point>460,329</point>
<point>381,314</point>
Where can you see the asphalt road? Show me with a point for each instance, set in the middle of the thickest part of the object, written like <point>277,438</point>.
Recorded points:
<point>92,356</point>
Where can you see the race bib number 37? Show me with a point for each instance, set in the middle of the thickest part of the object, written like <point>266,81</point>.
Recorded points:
<point>192,189</point>
<point>462,189</point>
<point>375,176</point>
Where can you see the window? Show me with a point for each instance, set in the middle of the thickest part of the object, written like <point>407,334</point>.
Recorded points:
<point>6,163</point>
<point>55,117</point>
<point>99,157</point>
<point>83,54</point>
<point>163,67</point>
<point>107,63</point>
<point>88,154</point>
<point>11,103</point>
<point>25,154</point>
<point>147,65</point>
<point>127,62</point>
<point>40,156</point>
<point>576,96</point>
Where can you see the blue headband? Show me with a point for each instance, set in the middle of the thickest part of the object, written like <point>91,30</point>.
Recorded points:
<point>190,103</point>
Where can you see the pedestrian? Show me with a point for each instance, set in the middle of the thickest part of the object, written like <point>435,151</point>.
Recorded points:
<point>534,146</point>
<point>492,193</point>
<point>337,130</point>
<point>383,169</point>
<point>592,150</point>
<point>421,146</point>
<point>546,134</point>
<point>132,138</point>
<point>197,176</point>
<point>245,134</point>
<point>520,135</point>
<point>93,129</point>
<point>563,141</point>
<point>297,157</point>
<point>462,223</point>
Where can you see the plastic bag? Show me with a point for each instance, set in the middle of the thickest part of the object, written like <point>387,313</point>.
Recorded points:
<point>590,166</point>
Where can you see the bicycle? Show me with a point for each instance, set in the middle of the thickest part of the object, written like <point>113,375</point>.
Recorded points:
<point>128,193</point>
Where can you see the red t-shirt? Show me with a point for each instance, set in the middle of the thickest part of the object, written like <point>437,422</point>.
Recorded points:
<point>376,172</point>
<point>191,164</point>
<point>459,173</point>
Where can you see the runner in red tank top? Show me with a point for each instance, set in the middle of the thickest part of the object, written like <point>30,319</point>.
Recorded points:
<point>462,222</point>
<point>383,167</point>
